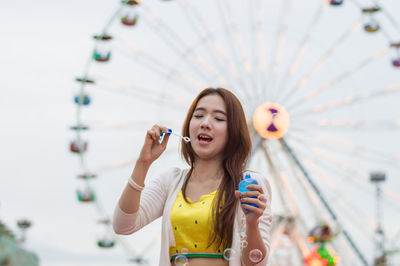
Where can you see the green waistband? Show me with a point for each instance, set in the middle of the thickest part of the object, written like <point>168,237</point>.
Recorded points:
<point>198,255</point>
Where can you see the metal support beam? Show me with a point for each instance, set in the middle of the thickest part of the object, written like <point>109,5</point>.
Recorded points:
<point>324,202</point>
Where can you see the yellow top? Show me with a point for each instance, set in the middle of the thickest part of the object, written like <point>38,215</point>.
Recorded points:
<point>192,226</point>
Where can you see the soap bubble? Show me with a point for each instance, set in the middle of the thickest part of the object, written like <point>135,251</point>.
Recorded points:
<point>181,260</point>
<point>228,253</point>
<point>243,244</point>
<point>242,235</point>
<point>255,255</point>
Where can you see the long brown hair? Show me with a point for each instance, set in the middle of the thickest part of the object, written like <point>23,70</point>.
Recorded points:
<point>236,153</point>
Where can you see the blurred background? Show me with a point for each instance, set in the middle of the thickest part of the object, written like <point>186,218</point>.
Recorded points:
<point>82,81</point>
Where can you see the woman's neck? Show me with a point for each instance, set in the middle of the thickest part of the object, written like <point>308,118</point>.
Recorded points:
<point>207,170</point>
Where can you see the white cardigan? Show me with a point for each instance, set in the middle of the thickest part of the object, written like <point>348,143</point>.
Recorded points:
<point>157,199</point>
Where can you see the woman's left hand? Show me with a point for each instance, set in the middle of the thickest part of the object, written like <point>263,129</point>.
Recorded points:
<point>252,213</point>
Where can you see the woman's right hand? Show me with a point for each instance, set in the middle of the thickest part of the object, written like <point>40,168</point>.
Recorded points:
<point>152,149</point>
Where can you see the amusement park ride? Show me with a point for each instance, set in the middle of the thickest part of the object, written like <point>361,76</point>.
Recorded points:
<point>313,77</point>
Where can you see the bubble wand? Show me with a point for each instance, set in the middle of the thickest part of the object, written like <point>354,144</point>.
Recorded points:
<point>170,132</point>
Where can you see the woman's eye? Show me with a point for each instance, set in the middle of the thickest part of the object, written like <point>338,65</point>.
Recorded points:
<point>197,116</point>
<point>219,119</point>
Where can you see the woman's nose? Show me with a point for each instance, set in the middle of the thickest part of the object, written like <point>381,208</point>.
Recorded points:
<point>205,123</point>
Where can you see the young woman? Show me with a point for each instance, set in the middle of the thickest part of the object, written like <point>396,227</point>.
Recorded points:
<point>202,214</point>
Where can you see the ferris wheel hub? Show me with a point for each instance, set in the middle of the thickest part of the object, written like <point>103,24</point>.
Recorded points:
<point>271,120</point>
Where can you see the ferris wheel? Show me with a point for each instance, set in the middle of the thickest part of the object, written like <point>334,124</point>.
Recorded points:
<point>320,85</point>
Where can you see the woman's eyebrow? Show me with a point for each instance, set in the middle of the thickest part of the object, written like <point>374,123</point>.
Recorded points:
<point>214,111</point>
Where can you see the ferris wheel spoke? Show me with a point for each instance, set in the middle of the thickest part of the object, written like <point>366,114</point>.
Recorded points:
<point>349,100</point>
<point>350,125</point>
<point>129,125</point>
<point>137,92</point>
<point>301,243</point>
<point>125,246</point>
<point>159,68</point>
<point>302,48</point>
<point>188,6</point>
<point>255,17</point>
<point>333,194</point>
<point>204,40</point>
<point>275,174</point>
<point>153,99</point>
<point>351,174</point>
<point>163,31</point>
<point>363,152</point>
<point>311,197</point>
<point>319,64</point>
<point>347,211</point>
<point>314,164</point>
<point>276,53</point>
<point>327,206</point>
<point>340,77</point>
<point>388,16</point>
<point>291,190</point>
<point>237,65</point>
<point>234,37</point>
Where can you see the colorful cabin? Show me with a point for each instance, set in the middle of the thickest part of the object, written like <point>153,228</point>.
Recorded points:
<point>79,127</point>
<point>320,256</point>
<point>371,27</point>
<point>85,196</point>
<point>103,37</point>
<point>395,45</point>
<point>130,2</point>
<point>82,99</point>
<point>336,2</point>
<point>130,16</point>
<point>371,10</point>
<point>102,52</point>
<point>320,234</point>
<point>84,80</point>
<point>129,21</point>
<point>105,243</point>
<point>78,147</point>
<point>24,224</point>
<point>101,57</point>
<point>87,176</point>
<point>396,62</point>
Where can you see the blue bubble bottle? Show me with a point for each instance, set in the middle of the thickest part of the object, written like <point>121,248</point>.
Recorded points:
<point>247,180</point>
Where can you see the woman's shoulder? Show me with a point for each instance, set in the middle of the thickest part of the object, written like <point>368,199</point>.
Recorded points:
<point>173,174</point>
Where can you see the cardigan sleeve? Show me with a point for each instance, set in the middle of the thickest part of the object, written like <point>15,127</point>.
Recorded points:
<point>152,201</point>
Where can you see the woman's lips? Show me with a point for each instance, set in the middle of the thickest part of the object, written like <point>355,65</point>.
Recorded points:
<point>204,142</point>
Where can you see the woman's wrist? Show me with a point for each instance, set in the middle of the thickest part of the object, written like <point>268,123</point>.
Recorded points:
<point>139,172</point>
<point>253,227</point>
<point>253,224</point>
<point>143,164</point>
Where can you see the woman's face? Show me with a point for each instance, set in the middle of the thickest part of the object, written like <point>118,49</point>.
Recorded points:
<point>208,128</point>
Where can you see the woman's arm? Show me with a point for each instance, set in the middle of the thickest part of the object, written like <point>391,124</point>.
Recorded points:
<point>258,224</point>
<point>130,199</point>
<point>150,207</point>
<point>138,208</point>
